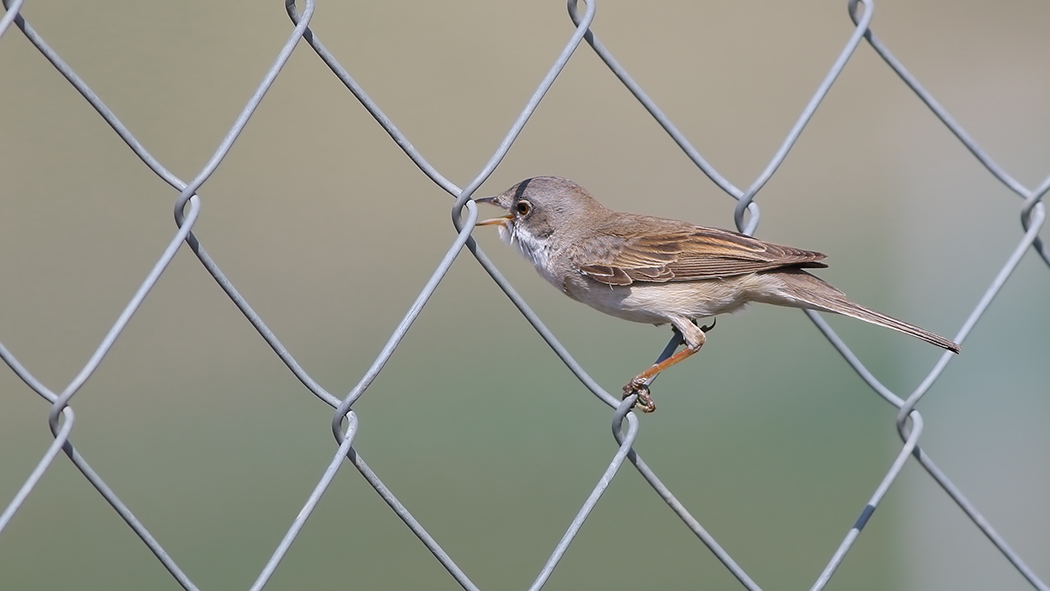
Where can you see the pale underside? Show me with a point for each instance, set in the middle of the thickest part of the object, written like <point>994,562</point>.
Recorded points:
<point>657,284</point>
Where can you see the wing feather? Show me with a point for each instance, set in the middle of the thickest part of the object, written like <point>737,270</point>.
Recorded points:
<point>686,253</point>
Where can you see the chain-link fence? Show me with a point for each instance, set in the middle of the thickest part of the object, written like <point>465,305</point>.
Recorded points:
<point>625,424</point>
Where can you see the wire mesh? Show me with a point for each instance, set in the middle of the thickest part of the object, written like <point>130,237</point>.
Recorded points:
<point>625,425</point>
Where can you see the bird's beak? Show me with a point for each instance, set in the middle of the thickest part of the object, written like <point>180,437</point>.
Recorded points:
<point>500,221</point>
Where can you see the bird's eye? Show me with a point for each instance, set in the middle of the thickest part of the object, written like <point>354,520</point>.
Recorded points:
<point>523,207</point>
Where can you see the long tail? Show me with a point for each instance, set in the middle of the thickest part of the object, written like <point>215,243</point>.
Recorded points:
<point>810,291</point>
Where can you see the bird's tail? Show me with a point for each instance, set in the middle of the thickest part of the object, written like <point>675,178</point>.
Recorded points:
<point>808,291</point>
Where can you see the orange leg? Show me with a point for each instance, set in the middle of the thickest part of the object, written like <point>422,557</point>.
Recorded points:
<point>638,384</point>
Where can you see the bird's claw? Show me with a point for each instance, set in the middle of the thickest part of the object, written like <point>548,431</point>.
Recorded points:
<point>645,400</point>
<point>707,327</point>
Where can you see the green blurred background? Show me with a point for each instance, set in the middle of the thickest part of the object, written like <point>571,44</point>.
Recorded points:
<point>330,233</point>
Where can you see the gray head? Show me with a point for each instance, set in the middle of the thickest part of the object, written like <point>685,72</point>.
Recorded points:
<point>541,205</point>
<point>541,210</point>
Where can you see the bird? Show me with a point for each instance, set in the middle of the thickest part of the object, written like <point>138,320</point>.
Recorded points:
<point>663,271</point>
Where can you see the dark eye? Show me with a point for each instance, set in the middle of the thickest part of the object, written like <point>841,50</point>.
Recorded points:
<point>523,207</point>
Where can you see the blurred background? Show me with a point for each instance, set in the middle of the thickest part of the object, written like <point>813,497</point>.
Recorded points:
<point>330,232</point>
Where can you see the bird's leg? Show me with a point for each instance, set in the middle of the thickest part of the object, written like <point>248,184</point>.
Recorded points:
<point>637,385</point>
<point>694,339</point>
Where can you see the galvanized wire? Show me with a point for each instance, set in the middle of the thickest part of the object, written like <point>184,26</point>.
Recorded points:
<point>345,421</point>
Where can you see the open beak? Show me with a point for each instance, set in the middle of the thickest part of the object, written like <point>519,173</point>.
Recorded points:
<point>500,221</point>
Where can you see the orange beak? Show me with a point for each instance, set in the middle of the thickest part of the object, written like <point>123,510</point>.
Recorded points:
<point>500,221</point>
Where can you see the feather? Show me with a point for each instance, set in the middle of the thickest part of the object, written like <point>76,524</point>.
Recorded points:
<point>686,253</point>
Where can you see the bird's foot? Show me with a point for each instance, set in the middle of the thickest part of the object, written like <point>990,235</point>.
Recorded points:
<point>645,400</point>
<point>707,327</point>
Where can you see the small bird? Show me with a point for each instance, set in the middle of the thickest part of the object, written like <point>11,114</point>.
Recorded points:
<point>659,271</point>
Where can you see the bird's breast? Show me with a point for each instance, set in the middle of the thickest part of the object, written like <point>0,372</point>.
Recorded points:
<point>656,303</point>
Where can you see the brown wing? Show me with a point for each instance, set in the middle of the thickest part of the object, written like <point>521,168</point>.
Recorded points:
<point>688,253</point>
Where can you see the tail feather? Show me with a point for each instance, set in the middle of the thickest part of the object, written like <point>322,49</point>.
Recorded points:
<point>812,292</point>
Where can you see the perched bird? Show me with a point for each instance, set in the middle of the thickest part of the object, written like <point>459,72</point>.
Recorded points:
<point>658,271</point>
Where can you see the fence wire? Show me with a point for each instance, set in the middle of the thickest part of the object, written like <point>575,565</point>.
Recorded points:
<point>625,426</point>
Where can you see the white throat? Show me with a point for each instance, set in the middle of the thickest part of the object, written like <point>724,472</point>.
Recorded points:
<point>532,247</point>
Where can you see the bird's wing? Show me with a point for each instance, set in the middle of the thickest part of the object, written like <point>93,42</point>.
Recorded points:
<point>687,253</point>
